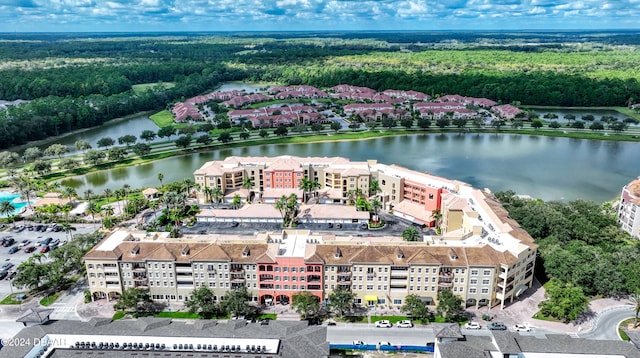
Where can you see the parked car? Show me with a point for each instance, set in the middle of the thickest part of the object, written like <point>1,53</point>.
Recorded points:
<point>5,266</point>
<point>384,344</point>
<point>3,274</point>
<point>404,324</point>
<point>46,241</point>
<point>24,243</point>
<point>359,343</point>
<point>44,249</point>
<point>13,250</point>
<point>54,242</point>
<point>524,327</point>
<point>497,326</point>
<point>29,249</point>
<point>8,242</point>
<point>331,322</point>
<point>472,325</point>
<point>383,324</point>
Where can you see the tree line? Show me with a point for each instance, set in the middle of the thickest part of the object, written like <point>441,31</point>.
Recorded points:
<point>582,251</point>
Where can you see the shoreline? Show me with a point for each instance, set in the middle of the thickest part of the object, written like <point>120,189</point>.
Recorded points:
<point>73,132</point>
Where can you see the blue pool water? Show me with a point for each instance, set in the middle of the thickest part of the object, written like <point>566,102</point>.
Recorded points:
<point>14,199</point>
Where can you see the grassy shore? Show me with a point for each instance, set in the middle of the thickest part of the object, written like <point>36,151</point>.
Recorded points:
<point>139,88</point>
<point>162,119</point>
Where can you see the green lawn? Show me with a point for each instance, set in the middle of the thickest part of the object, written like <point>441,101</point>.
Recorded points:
<point>624,324</point>
<point>50,299</point>
<point>178,315</point>
<point>10,300</point>
<point>139,88</point>
<point>271,316</point>
<point>118,315</point>
<point>542,317</point>
<point>162,118</point>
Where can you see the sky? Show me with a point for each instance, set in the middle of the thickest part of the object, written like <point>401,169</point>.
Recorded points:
<point>313,15</point>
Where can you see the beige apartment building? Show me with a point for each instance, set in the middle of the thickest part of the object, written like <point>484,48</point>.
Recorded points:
<point>479,253</point>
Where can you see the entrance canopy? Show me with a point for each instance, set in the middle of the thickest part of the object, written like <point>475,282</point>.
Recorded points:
<point>369,298</point>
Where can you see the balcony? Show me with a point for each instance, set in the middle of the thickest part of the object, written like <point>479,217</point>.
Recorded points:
<point>344,273</point>
<point>528,274</point>
<point>266,278</point>
<point>140,279</point>
<point>445,284</point>
<point>142,287</point>
<point>314,278</point>
<point>398,277</point>
<point>139,269</point>
<point>237,270</point>
<point>314,287</point>
<point>235,286</point>
<point>445,274</point>
<point>237,274</point>
<point>344,283</point>
<point>266,286</point>
<point>237,280</point>
<point>529,265</point>
<point>111,268</point>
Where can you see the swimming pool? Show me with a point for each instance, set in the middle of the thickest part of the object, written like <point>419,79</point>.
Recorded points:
<point>14,199</point>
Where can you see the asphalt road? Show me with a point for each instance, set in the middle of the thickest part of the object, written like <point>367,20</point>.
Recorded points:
<point>606,324</point>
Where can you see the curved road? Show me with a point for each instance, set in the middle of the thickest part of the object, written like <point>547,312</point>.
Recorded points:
<point>606,323</point>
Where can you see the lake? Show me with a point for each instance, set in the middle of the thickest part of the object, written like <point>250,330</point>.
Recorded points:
<point>542,167</point>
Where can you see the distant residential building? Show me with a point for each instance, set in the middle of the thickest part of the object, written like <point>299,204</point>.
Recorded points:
<point>506,111</point>
<point>629,208</point>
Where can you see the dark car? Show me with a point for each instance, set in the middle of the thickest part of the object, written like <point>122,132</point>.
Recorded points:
<point>46,241</point>
<point>8,242</point>
<point>29,249</point>
<point>13,250</point>
<point>497,326</point>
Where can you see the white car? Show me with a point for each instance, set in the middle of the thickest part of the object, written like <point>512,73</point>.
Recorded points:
<point>472,325</point>
<point>383,324</point>
<point>359,343</point>
<point>522,327</point>
<point>404,324</point>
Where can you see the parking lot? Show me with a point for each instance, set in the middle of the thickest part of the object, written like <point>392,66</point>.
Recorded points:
<point>395,226</point>
<point>20,256</point>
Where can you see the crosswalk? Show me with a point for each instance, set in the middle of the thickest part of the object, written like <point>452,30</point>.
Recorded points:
<point>64,309</point>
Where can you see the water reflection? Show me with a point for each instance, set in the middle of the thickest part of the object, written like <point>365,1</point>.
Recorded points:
<point>548,168</point>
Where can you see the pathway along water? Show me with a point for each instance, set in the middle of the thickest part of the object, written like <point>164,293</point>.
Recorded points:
<point>542,167</point>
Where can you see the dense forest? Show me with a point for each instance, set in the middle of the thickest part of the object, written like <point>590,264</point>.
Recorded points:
<point>77,81</point>
<point>580,243</point>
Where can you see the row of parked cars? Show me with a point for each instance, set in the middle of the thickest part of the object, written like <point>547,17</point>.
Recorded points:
<point>499,326</point>
<point>387,324</point>
<point>38,227</point>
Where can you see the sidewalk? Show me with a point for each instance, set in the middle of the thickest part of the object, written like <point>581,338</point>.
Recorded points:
<point>523,309</point>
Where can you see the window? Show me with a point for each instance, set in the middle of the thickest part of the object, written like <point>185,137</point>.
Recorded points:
<point>485,290</point>
<point>487,272</point>
<point>474,272</point>
<point>277,269</point>
<point>369,287</point>
<point>294,269</point>
<point>397,302</point>
<point>430,196</point>
<point>472,290</point>
<point>473,281</point>
<point>90,266</point>
<point>285,269</point>
<point>485,281</point>
<point>435,270</point>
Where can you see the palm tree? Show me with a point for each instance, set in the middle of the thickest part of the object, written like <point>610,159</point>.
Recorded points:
<point>217,194</point>
<point>436,214</point>
<point>107,193</point>
<point>236,201</point>
<point>376,205</point>
<point>281,205</point>
<point>208,194</point>
<point>374,188</point>
<point>67,228</point>
<point>7,209</point>
<point>634,300</point>
<point>160,177</point>
<point>187,184</point>
<point>247,184</point>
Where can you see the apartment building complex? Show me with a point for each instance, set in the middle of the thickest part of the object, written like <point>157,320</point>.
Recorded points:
<point>629,208</point>
<point>481,255</point>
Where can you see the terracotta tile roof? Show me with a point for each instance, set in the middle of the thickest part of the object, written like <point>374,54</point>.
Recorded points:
<point>161,253</point>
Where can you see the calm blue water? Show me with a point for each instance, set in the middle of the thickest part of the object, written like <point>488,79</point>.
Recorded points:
<point>14,199</point>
